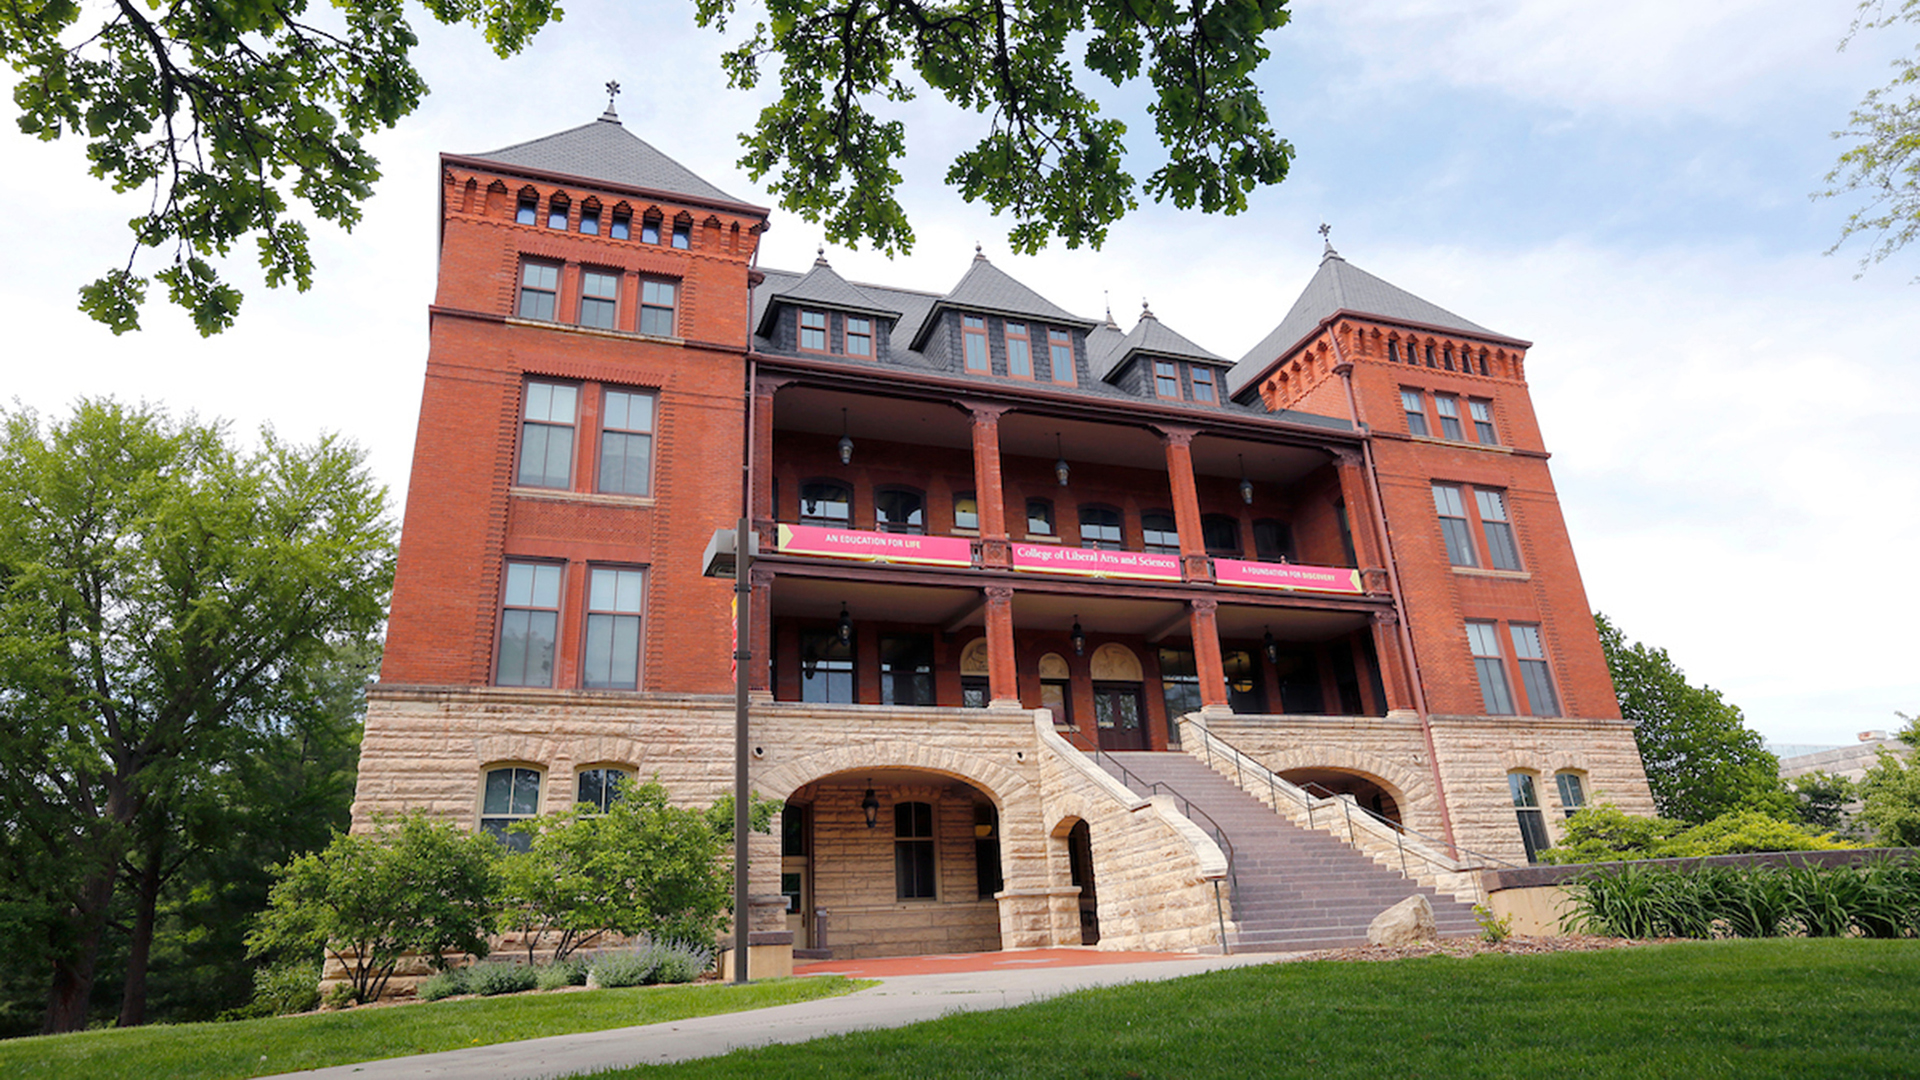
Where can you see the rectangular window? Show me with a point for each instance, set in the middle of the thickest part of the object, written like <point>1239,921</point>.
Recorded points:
<point>973,342</point>
<point>1448,407</point>
<point>656,308</point>
<point>1179,683</point>
<point>1100,528</point>
<point>906,669</point>
<point>813,330</point>
<point>986,850</point>
<point>1056,696</point>
<point>546,435</point>
<point>539,286</point>
<point>1019,351</point>
<point>650,231</point>
<point>826,668</point>
<point>600,788</point>
<point>683,234</point>
<point>1415,404</point>
<point>1060,355</point>
<point>1453,525</point>
<point>528,210</point>
<point>529,625</point>
<point>511,794</point>
<point>859,336</point>
<point>557,215</point>
<point>590,222</point>
<point>626,444</point>
<point>1159,533</point>
<point>1484,638</point>
<point>1526,808</point>
<point>622,225</point>
<point>1534,673</point>
<point>1166,379</point>
<point>913,869</point>
<point>966,511</point>
<point>1202,384</point>
<point>1482,413</point>
<point>612,658</point>
<point>599,295</point>
<point>1039,517</point>
<point>1573,793</point>
<point>1502,554</point>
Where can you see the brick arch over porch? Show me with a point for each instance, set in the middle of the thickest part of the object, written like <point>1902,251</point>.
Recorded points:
<point>1000,783</point>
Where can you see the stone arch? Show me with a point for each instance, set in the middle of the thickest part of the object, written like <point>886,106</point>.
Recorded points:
<point>1408,786</point>
<point>998,782</point>
<point>1054,666</point>
<point>1114,662</point>
<point>973,658</point>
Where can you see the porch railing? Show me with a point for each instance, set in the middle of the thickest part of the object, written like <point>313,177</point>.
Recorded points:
<point>1156,787</point>
<point>1311,797</point>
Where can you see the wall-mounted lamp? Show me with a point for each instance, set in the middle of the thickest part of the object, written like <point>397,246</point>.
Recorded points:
<point>846,625</point>
<point>846,442</point>
<point>1060,463</point>
<point>1273,650</point>
<point>1079,638</point>
<point>870,806</point>
<point>1246,485</point>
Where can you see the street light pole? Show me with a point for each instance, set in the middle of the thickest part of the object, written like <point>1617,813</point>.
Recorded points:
<point>742,654</point>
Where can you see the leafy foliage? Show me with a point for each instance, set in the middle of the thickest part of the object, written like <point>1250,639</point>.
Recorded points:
<point>1883,165</point>
<point>1891,794</point>
<point>1880,899</point>
<point>495,977</point>
<point>1601,833</point>
<point>173,617</point>
<point>644,867</point>
<point>1701,758</point>
<point>650,963</point>
<point>1823,798</point>
<point>443,984</point>
<point>413,885</point>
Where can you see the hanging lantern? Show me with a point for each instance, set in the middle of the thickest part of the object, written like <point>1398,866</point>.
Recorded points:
<point>870,806</point>
<point>1246,485</point>
<point>1079,638</point>
<point>846,625</point>
<point>846,442</point>
<point>1060,464</point>
<point>1273,649</point>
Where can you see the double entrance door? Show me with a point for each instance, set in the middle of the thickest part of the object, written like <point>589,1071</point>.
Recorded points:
<point>1119,716</point>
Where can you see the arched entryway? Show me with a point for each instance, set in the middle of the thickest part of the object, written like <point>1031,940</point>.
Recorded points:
<point>1080,869</point>
<point>1118,708</point>
<point>891,862</point>
<point>1368,791</point>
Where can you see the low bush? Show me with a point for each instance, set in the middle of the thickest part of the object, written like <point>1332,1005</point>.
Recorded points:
<point>501,978</point>
<point>1881,899</point>
<point>682,962</point>
<point>625,967</point>
<point>279,990</point>
<point>1602,833</point>
<point>449,983</point>
<point>569,972</point>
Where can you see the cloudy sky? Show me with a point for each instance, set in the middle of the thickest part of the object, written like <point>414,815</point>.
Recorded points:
<point>1735,418</point>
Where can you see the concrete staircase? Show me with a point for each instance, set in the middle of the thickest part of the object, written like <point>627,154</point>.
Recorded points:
<point>1294,888</point>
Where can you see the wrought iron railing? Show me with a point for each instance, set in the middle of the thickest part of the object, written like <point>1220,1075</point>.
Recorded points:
<point>1192,813</point>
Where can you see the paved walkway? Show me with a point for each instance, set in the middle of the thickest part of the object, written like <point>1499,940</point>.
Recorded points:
<point>942,985</point>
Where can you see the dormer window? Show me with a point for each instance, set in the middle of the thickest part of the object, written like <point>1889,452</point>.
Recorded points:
<point>973,340</point>
<point>1203,384</point>
<point>1166,379</point>
<point>1019,351</point>
<point>1060,355</point>
<point>859,336</point>
<point>813,331</point>
<point>557,212</point>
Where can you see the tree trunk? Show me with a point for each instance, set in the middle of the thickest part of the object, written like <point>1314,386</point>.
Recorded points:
<point>133,998</point>
<point>73,967</point>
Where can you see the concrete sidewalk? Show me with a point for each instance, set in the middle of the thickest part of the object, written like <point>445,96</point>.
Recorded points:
<point>894,1003</point>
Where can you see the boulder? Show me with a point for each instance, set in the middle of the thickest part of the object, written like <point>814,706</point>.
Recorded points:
<point>1408,922</point>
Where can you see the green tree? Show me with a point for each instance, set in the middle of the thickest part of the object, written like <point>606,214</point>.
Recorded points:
<point>1890,793</point>
<point>414,885</point>
<point>1701,758</point>
<point>235,112</point>
<point>163,599</point>
<point>644,866</point>
<point>1822,798</point>
<point>1883,165</point>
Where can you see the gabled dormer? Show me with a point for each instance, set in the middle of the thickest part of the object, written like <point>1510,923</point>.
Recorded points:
<point>1155,362</point>
<point>991,326</point>
<point>823,314</point>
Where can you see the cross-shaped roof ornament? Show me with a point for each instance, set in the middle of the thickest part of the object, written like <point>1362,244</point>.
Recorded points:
<point>613,91</point>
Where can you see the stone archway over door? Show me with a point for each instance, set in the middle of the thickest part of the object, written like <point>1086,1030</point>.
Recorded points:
<point>1119,709</point>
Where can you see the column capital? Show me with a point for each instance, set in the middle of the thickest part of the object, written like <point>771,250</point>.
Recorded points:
<point>765,385</point>
<point>1347,458</point>
<point>759,577</point>
<point>984,412</point>
<point>999,594</point>
<point>1385,618</point>
<point>1205,604</point>
<point>1176,436</point>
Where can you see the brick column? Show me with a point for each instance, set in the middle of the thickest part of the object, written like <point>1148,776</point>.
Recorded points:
<point>1393,663</point>
<point>1353,491</point>
<point>1002,673</point>
<point>762,497</point>
<point>994,547</point>
<point>760,668</point>
<point>1186,504</point>
<point>1206,655</point>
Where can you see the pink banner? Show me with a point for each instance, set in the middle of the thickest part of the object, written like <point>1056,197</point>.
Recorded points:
<point>1095,562</point>
<point>1263,575</point>
<point>875,546</point>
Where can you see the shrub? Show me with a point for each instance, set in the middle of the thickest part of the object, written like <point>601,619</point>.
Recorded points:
<point>341,996</point>
<point>561,973</point>
<point>1881,899</point>
<point>682,962</point>
<point>449,983</point>
<point>501,978</point>
<point>1602,833</point>
<point>279,990</point>
<point>625,967</point>
<point>1494,928</point>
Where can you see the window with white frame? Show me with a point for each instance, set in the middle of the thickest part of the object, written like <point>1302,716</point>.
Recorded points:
<point>510,793</point>
<point>1526,810</point>
<point>1481,411</point>
<point>1573,791</point>
<point>1414,403</point>
<point>1489,664</point>
<point>626,443</point>
<point>539,290</point>
<point>600,788</point>
<point>1452,510</point>
<point>1535,676</point>
<point>611,660</point>
<point>1502,552</point>
<point>529,624</point>
<point>1448,408</point>
<point>546,435</point>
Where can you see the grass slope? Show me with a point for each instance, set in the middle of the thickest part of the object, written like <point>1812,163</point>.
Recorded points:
<point>1745,1009</point>
<point>286,1044</point>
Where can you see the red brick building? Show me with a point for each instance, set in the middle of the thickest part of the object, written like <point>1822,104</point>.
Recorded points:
<point>995,536</point>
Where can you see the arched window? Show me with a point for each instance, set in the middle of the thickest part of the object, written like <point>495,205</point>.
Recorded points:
<point>622,228</point>
<point>590,217</point>
<point>1100,527</point>
<point>511,793</point>
<point>1573,791</point>
<point>557,208</point>
<point>527,212</point>
<point>1526,809</point>
<point>824,502</point>
<point>1159,533</point>
<point>900,510</point>
<point>601,787</point>
<point>1222,535</point>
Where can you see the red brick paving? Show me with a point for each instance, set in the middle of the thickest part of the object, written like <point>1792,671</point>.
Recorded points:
<point>1013,960</point>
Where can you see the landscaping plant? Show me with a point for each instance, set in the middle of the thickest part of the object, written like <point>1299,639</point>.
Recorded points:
<point>1880,900</point>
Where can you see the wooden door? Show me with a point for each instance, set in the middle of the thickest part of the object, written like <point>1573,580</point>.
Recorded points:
<point>1121,719</point>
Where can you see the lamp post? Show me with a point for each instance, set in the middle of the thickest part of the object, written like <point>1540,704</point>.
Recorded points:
<point>734,552</point>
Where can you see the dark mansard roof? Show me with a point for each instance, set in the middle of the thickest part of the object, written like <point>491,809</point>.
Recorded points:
<point>606,151</point>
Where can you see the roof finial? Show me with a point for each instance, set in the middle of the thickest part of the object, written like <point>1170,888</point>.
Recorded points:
<point>1109,296</point>
<point>977,253</point>
<point>1145,311</point>
<point>820,255</point>
<point>1329,253</point>
<point>613,91</point>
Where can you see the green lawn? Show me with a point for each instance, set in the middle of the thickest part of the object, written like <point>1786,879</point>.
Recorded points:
<point>287,1044</point>
<point>1745,1009</point>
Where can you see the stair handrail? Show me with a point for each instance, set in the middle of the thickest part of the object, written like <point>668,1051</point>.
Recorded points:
<point>1154,787</point>
<point>1304,797</point>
